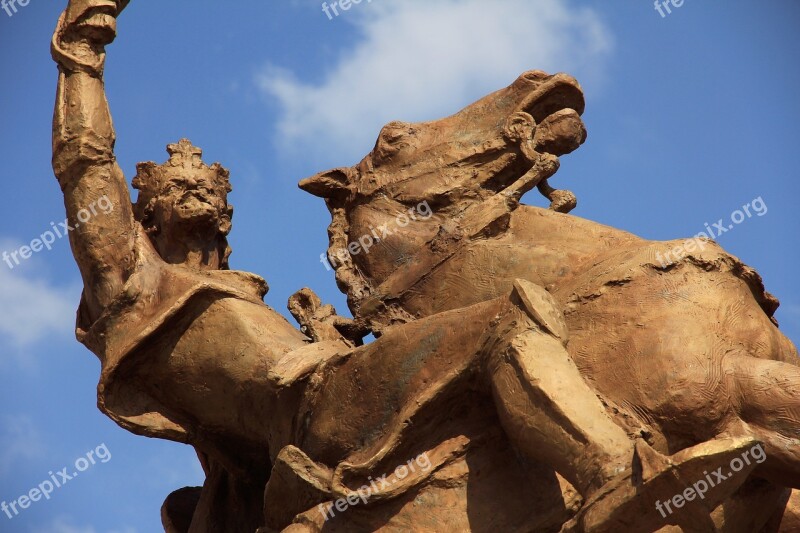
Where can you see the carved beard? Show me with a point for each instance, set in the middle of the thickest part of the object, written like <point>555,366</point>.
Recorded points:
<point>190,214</point>
<point>195,207</point>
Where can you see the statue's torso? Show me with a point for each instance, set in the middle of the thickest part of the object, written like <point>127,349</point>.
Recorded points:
<point>215,359</point>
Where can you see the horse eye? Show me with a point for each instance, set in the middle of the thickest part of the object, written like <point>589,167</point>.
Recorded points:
<point>393,138</point>
<point>394,131</point>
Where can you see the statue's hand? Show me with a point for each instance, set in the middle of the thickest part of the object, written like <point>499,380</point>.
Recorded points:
<point>93,21</point>
<point>321,323</point>
<point>84,29</point>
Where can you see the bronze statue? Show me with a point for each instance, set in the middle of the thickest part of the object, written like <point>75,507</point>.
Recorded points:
<point>528,373</point>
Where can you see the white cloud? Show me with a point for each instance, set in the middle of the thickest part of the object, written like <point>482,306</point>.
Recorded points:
<point>422,59</point>
<point>19,440</point>
<point>33,310</point>
<point>64,524</point>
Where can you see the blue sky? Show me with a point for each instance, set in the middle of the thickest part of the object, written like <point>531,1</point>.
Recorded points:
<point>690,117</point>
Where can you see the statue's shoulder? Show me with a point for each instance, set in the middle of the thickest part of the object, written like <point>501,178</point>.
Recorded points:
<point>156,292</point>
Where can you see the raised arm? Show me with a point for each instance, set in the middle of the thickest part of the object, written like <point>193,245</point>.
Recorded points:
<point>102,240</point>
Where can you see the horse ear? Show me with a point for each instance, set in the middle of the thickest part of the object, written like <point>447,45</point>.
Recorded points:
<point>330,184</point>
<point>519,127</point>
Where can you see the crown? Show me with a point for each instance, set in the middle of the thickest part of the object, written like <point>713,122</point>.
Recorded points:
<point>183,157</point>
<point>185,154</point>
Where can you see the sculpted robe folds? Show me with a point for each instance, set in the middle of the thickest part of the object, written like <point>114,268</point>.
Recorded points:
<point>359,414</point>
<point>155,299</point>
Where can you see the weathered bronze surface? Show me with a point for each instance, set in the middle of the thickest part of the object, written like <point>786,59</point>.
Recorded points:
<point>533,371</point>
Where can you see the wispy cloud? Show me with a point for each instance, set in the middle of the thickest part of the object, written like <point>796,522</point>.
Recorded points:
<point>19,440</point>
<point>33,310</point>
<point>423,59</point>
<point>65,524</point>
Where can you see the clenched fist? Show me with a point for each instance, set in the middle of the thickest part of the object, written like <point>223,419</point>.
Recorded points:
<point>92,20</point>
<point>82,33</point>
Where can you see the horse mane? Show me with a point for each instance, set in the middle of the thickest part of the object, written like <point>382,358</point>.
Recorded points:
<point>349,278</point>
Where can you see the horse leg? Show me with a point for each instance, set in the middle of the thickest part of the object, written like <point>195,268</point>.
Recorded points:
<point>545,406</point>
<point>766,397</point>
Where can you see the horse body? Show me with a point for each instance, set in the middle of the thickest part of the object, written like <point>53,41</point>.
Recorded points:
<point>632,320</point>
<point>681,352</point>
<point>674,350</point>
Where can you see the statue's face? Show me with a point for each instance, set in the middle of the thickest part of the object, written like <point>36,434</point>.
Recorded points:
<point>189,203</point>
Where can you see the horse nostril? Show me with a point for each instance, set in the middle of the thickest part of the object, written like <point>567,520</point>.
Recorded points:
<point>560,133</point>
